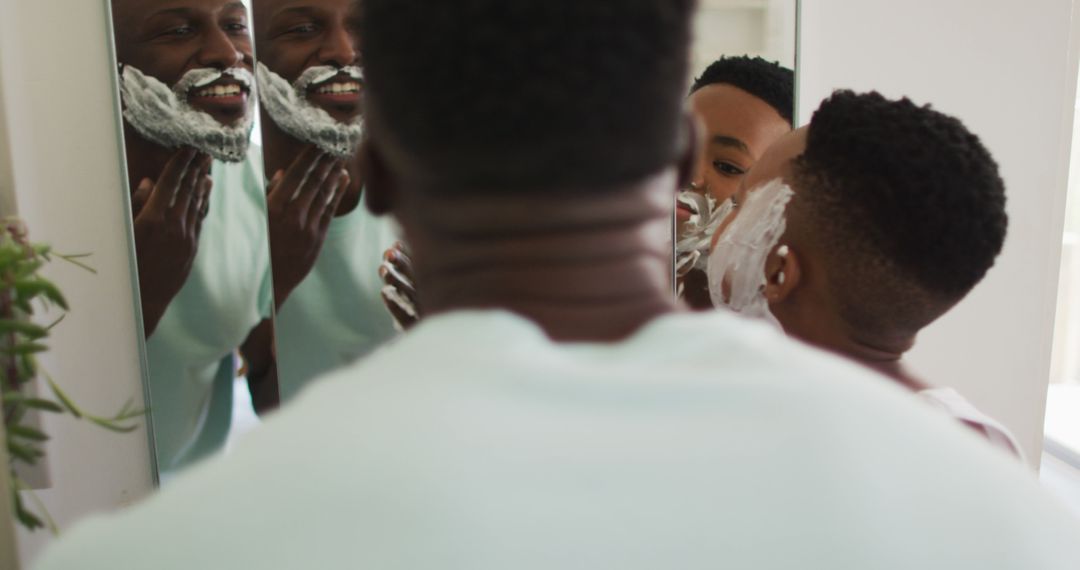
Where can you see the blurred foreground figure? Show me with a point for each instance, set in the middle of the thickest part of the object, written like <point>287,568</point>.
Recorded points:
<point>552,409</point>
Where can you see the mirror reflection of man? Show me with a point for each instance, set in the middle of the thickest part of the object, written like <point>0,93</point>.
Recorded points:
<point>186,87</point>
<point>326,250</point>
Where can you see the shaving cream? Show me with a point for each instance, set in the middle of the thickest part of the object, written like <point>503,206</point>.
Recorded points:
<point>736,266</point>
<point>695,235</point>
<point>289,108</point>
<point>163,116</point>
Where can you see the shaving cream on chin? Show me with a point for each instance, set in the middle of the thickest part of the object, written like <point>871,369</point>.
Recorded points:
<point>163,116</point>
<point>289,108</point>
<point>736,266</point>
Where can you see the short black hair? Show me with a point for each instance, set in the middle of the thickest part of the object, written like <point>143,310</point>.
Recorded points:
<point>906,203</point>
<point>766,80</point>
<point>530,94</point>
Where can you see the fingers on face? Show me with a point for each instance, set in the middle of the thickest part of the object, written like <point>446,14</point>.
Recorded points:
<point>164,192</point>
<point>394,274</point>
<point>188,190</point>
<point>141,195</point>
<point>200,206</point>
<point>319,186</point>
<point>300,169</point>
<point>330,199</point>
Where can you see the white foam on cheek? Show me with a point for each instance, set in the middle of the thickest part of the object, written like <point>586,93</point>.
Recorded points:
<point>692,247</point>
<point>737,261</point>
<point>289,108</point>
<point>163,116</point>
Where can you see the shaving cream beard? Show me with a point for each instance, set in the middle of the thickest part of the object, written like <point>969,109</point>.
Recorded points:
<point>736,266</point>
<point>163,116</point>
<point>288,106</point>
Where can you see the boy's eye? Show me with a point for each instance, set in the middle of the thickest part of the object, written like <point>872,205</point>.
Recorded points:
<point>727,168</point>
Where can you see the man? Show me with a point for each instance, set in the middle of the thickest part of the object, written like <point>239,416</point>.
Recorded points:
<point>186,87</point>
<point>326,281</point>
<point>552,410</point>
<point>896,212</point>
<point>745,104</point>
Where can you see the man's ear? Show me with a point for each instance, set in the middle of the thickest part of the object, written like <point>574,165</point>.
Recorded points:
<point>693,138</point>
<point>380,188</point>
<point>783,273</point>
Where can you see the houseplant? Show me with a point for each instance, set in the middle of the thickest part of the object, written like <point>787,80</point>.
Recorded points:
<point>24,293</point>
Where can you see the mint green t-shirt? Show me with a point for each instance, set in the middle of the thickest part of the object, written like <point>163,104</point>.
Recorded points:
<point>228,292</point>
<point>704,441</point>
<point>336,315</point>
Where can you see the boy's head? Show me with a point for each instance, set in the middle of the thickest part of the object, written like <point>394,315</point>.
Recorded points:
<point>897,212</point>
<point>745,104</point>
<point>533,96</point>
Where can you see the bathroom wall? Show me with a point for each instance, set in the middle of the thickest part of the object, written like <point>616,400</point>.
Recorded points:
<point>61,117</point>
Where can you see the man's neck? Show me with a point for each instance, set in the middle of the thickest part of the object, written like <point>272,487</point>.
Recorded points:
<point>585,266</point>
<point>281,148</point>
<point>145,159</point>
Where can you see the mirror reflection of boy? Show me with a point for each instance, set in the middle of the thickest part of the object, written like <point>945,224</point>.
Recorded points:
<point>187,93</point>
<point>884,216</point>
<point>745,104</point>
<point>325,261</point>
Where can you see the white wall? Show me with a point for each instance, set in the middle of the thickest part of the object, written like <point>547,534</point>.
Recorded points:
<point>61,114</point>
<point>1007,70</point>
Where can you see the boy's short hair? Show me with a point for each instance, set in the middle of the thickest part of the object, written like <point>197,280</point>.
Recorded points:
<point>906,205</point>
<point>766,80</point>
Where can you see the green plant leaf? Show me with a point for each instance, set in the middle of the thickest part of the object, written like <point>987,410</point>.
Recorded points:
<point>27,432</point>
<point>29,289</point>
<point>35,403</point>
<point>25,452</point>
<point>25,517</point>
<point>25,348</point>
<point>21,485</point>
<point>60,395</point>
<point>31,330</point>
<point>28,268</point>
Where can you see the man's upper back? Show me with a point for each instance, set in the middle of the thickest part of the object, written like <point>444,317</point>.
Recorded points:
<point>702,442</point>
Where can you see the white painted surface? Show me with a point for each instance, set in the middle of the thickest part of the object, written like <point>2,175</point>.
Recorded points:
<point>61,113</point>
<point>1008,70</point>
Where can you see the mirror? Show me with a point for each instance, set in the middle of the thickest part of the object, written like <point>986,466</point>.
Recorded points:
<point>326,247</point>
<point>259,266</point>
<point>186,81</point>
<point>744,95</point>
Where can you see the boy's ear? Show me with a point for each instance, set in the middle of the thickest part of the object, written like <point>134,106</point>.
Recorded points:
<point>380,188</point>
<point>783,274</point>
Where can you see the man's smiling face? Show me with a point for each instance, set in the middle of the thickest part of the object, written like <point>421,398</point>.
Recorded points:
<point>167,38</point>
<point>293,36</point>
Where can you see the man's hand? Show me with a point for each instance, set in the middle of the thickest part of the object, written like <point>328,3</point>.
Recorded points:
<point>168,216</point>
<point>399,291</point>
<point>301,202</point>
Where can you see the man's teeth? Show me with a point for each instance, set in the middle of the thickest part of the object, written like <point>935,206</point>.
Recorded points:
<point>338,87</point>
<point>220,91</point>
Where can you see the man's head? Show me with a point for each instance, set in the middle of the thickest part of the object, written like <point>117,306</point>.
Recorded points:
<point>309,73</point>
<point>898,212</point>
<point>746,104</point>
<point>186,76</point>
<point>530,96</point>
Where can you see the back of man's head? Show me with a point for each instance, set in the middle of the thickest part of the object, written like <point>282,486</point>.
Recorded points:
<point>528,95</point>
<point>906,205</point>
